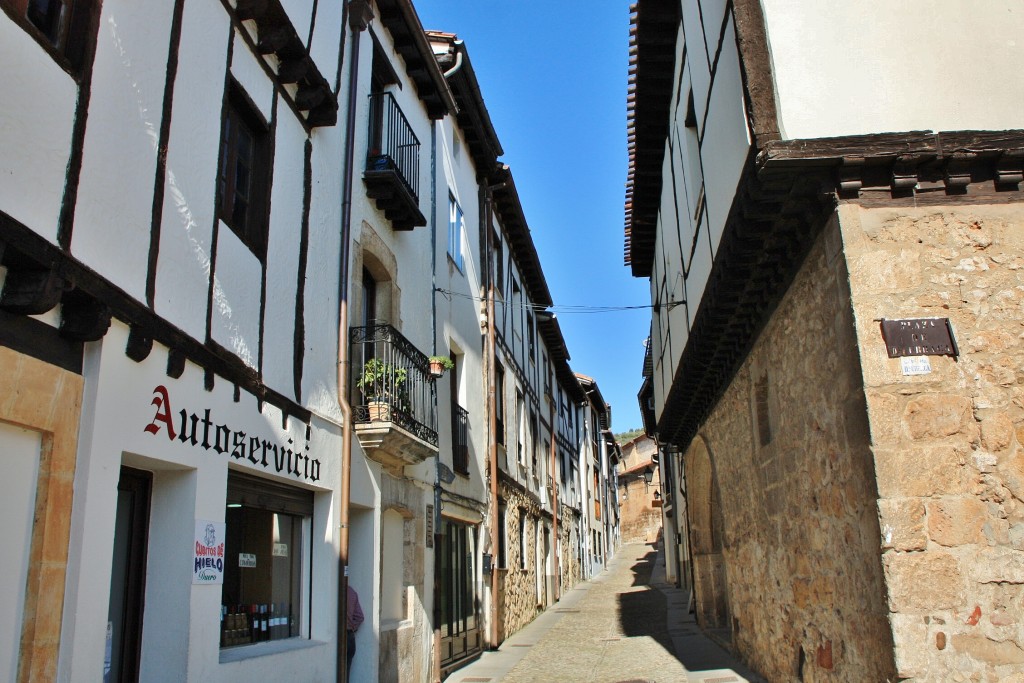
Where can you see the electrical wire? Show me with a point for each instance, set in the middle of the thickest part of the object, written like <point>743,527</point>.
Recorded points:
<point>563,308</point>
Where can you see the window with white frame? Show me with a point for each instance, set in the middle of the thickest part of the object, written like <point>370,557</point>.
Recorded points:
<point>456,226</point>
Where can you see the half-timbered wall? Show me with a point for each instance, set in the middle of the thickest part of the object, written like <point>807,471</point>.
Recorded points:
<point>705,152</point>
<point>110,174</point>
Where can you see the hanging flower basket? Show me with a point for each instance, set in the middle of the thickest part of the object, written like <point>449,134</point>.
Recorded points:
<point>438,364</point>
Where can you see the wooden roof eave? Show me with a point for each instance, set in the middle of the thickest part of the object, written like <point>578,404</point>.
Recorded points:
<point>400,19</point>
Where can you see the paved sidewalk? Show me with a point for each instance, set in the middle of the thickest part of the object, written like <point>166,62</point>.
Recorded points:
<point>626,625</point>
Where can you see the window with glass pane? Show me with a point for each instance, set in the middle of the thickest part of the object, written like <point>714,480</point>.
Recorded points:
<point>62,26</point>
<point>455,228</point>
<point>265,550</point>
<point>244,171</point>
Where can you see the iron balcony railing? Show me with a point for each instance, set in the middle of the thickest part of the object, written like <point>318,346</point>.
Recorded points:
<point>460,439</point>
<point>393,145</point>
<point>391,381</point>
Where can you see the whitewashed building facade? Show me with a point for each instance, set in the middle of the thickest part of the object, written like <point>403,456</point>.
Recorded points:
<point>232,234</point>
<point>170,258</point>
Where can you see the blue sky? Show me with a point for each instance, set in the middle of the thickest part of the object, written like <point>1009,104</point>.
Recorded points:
<point>553,75</point>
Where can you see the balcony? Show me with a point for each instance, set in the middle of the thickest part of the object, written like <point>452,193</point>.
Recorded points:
<point>392,174</point>
<point>392,397</point>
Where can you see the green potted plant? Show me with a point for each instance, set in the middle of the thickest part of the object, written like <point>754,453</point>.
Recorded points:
<point>383,386</point>
<point>438,364</point>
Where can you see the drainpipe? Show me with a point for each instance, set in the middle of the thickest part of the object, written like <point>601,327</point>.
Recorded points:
<point>492,414</point>
<point>554,498</point>
<point>436,658</point>
<point>458,60</point>
<point>358,20</point>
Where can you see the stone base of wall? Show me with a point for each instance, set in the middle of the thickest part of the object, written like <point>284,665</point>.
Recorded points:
<point>948,446</point>
<point>520,602</point>
<point>781,495</point>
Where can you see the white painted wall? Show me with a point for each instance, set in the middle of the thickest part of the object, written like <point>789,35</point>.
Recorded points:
<point>283,255</point>
<point>20,449</point>
<point>878,66</point>
<point>701,168</point>
<point>183,268</point>
<point>323,268</point>
<point>324,46</point>
<point>35,130</point>
<point>181,628</point>
<point>237,284</point>
<point>115,207</point>
<point>459,313</point>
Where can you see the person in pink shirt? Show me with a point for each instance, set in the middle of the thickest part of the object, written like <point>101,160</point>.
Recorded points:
<point>354,619</point>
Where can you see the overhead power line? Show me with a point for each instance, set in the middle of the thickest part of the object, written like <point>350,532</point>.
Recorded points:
<point>562,308</point>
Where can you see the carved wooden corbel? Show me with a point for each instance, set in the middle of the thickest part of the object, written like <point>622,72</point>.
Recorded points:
<point>83,318</point>
<point>1009,171</point>
<point>175,363</point>
<point>32,291</point>
<point>904,173</point>
<point>850,177</point>
<point>957,172</point>
<point>139,345</point>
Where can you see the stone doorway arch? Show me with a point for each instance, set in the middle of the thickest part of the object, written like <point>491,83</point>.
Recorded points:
<point>704,509</point>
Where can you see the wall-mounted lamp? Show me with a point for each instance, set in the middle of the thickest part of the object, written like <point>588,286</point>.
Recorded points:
<point>648,475</point>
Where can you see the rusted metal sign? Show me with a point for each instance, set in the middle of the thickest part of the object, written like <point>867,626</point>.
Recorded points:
<point>919,337</point>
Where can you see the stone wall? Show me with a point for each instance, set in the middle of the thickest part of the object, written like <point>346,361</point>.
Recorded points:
<point>519,588</point>
<point>784,528</point>
<point>569,536</point>
<point>404,654</point>
<point>640,522</point>
<point>949,445</point>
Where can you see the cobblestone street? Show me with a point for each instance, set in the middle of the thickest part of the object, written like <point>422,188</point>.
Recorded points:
<point>627,625</point>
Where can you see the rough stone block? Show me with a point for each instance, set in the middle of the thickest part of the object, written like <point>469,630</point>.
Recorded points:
<point>902,523</point>
<point>998,566</point>
<point>1011,470</point>
<point>908,472</point>
<point>992,652</point>
<point>957,521</point>
<point>996,432</point>
<point>910,637</point>
<point>921,582</point>
<point>885,270</point>
<point>885,411</point>
<point>937,416</point>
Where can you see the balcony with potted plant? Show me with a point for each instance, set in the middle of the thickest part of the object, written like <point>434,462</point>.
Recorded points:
<point>392,397</point>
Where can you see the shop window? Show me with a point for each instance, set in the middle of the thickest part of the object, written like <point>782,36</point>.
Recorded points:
<point>62,26</point>
<point>266,540</point>
<point>244,175</point>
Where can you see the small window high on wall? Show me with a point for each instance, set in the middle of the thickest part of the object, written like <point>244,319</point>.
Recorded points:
<point>61,26</point>
<point>266,543</point>
<point>244,174</point>
<point>456,226</point>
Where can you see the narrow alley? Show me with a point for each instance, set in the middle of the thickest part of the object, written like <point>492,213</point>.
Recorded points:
<point>626,625</point>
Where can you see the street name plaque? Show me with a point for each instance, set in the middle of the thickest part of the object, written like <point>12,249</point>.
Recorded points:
<point>919,337</point>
